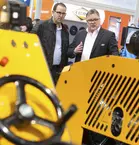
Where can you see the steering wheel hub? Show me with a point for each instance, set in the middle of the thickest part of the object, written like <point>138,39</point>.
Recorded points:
<point>26,111</point>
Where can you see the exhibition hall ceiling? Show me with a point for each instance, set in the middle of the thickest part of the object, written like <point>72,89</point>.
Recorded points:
<point>128,4</point>
<point>120,6</point>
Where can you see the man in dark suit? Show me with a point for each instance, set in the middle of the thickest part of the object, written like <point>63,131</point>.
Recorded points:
<point>54,38</point>
<point>94,41</point>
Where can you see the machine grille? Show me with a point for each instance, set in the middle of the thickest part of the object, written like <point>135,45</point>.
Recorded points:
<point>107,92</point>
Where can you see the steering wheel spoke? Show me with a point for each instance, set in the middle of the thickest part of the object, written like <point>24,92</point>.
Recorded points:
<point>21,97</point>
<point>10,120</point>
<point>44,122</point>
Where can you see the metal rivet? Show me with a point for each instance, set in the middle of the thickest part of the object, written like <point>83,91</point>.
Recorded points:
<point>25,44</point>
<point>13,43</point>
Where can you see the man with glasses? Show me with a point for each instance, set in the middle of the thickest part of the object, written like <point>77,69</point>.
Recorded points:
<point>54,38</point>
<point>94,41</point>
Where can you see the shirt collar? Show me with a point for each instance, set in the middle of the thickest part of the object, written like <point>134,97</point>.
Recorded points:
<point>59,28</point>
<point>97,30</point>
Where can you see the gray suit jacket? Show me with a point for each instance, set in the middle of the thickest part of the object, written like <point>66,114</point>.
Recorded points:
<point>105,44</point>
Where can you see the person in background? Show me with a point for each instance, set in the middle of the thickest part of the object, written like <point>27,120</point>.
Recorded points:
<point>124,53</point>
<point>93,41</point>
<point>132,43</point>
<point>36,23</point>
<point>54,38</point>
<point>28,25</point>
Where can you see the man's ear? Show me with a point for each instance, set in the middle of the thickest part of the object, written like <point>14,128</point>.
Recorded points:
<point>52,12</point>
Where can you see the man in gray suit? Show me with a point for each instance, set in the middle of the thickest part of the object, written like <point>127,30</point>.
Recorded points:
<point>94,41</point>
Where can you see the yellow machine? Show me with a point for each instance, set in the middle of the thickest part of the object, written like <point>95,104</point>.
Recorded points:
<point>30,111</point>
<point>106,91</point>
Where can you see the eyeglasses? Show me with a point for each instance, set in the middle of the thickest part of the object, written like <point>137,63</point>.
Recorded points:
<point>92,20</point>
<point>60,13</point>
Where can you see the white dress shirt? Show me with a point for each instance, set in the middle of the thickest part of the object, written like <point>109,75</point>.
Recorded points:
<point>88,44</point>
<point>57,50</point>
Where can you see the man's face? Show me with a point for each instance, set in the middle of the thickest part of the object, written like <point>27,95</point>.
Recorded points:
<point>93,22</point>
<point>59,14</point>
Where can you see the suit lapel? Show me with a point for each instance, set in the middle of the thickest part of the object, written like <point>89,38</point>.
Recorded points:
<point>81,38</point>
<point>84,36</point>
<point>97,41</point>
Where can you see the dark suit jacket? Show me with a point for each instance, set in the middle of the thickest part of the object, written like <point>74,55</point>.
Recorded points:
<point>47,34</point>
<point>105,44</point>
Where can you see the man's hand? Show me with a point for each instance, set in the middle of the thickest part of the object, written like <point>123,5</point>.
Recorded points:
<point>79,48</point>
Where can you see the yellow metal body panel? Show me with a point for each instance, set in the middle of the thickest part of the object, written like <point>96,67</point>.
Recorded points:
<point>97,87</point>
<point>25,57</point>
<point>24,61</point>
